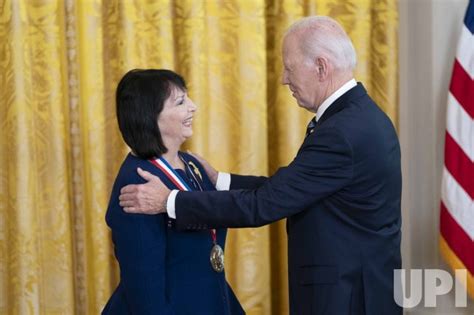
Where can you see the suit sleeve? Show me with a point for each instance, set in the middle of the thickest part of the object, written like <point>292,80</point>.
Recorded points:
<point>323,166</point>
<point>140,247</point>
<point>246,181</point>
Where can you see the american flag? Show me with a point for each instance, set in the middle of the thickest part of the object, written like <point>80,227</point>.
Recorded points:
<point>457,192</point>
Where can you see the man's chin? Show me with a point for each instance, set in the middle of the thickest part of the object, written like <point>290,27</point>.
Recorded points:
<point>302,105</point>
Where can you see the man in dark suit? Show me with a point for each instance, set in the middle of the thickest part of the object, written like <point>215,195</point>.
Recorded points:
<point>340,194</point>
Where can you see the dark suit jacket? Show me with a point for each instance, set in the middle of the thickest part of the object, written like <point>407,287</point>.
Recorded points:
<point>341,195</point>
<point>164,271</point>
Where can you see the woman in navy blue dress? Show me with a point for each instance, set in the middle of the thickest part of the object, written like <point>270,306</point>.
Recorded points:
<point>162,271</point>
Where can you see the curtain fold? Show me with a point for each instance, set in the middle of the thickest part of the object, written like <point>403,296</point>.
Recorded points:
<point>60,62</point>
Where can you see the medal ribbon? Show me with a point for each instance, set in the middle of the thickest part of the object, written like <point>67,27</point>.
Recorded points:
<point>171,174</point>
<point>174,177</point>
<point>214,236</point>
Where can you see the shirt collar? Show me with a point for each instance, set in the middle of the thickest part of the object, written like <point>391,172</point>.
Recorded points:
<point>334,96</point>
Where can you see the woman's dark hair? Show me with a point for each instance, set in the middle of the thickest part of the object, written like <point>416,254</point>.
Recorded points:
<point>140,97</point>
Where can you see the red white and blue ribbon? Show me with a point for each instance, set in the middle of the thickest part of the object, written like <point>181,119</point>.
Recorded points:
<point>172,175</point>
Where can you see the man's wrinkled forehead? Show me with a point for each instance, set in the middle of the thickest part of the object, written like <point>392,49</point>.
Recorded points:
<point>291,43</point>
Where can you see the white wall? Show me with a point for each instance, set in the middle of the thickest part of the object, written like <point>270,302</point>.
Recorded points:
<point>428,35</point>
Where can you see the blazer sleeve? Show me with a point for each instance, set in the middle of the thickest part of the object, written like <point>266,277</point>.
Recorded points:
<point>246,181</point>
<point>323,166</point>
<point>140,247</point>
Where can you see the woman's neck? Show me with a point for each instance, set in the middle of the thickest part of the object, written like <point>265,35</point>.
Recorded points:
<point>173,158</point>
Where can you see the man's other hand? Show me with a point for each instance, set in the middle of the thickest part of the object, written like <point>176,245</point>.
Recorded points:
<point>148,198</point>
<point>211,172</point>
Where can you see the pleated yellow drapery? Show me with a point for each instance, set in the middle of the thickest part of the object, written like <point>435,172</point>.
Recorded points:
<point>60,147</point>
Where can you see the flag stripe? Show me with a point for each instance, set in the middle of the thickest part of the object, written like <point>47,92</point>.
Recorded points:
<point>460,126</point>
<point>469,19</point>
<point>462,88</point>
<point>465,51</point>
<point>457,239</point>
<point>459,165</point>
<point>455,263</point>
<point>458,203</point>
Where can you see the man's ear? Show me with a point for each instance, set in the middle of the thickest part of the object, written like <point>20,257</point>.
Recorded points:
<point>322,68</point>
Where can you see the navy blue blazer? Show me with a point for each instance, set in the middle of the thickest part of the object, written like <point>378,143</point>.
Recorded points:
<point>163,271</point>
<point>341,195</point>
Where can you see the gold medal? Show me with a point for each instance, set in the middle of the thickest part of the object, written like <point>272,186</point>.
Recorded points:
<point>217,258</point>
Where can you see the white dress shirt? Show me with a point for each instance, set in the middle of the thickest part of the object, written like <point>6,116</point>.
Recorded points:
<point>223,179</point>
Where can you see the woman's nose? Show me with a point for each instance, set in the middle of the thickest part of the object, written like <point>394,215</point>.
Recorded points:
<point>192,107</point>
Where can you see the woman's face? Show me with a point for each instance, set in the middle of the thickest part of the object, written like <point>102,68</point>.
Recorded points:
<point>176,119</point>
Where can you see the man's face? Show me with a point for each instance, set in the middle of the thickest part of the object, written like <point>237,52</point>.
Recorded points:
<point>300,74</point>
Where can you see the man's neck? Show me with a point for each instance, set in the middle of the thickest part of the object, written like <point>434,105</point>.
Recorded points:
<point>337,81</point>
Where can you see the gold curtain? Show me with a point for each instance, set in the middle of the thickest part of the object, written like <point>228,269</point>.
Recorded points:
<point>60,147</point>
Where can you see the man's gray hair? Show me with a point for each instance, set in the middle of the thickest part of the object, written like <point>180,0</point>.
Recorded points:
<point>322,36</point>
